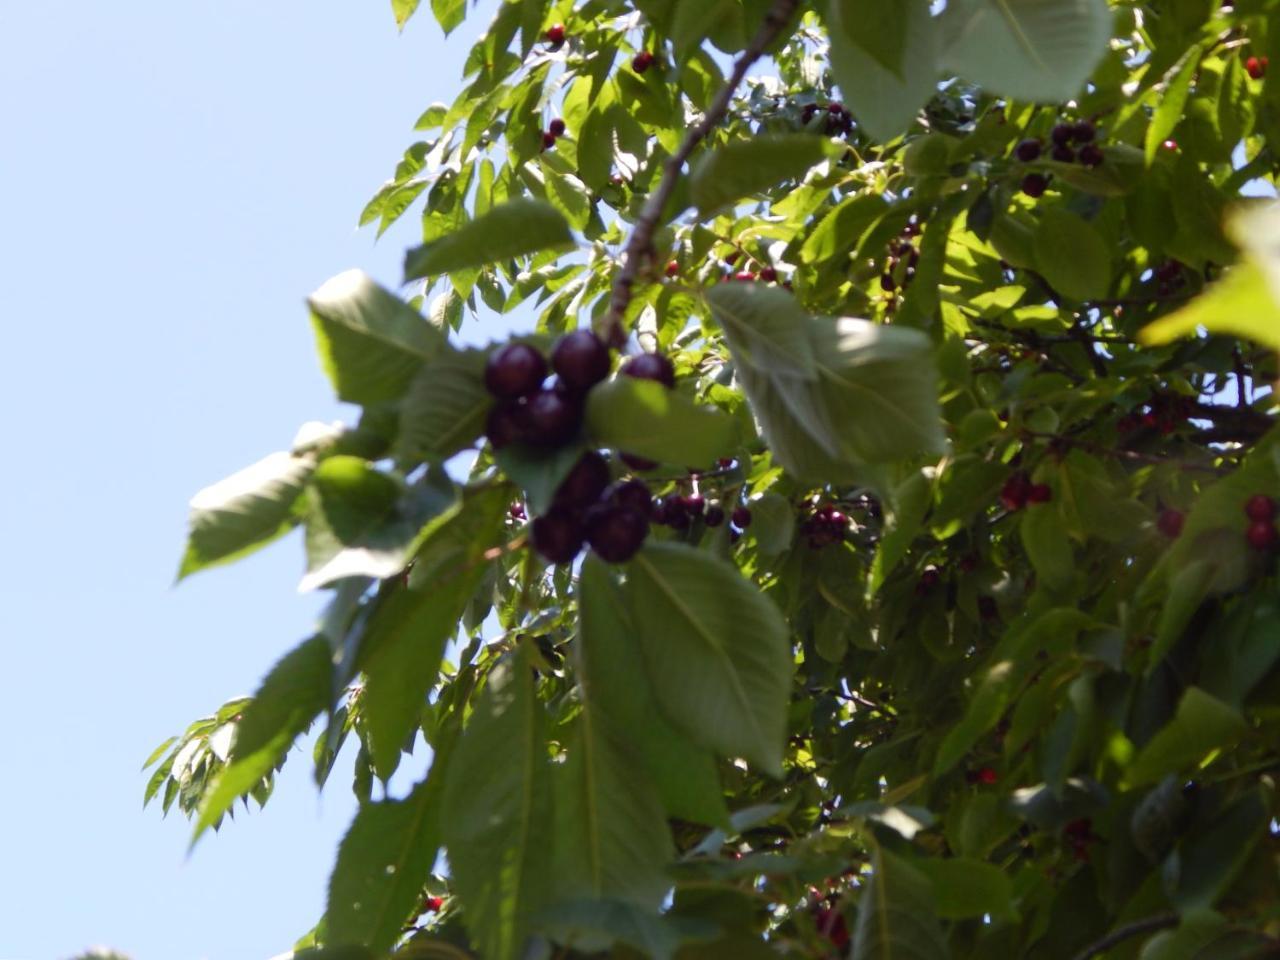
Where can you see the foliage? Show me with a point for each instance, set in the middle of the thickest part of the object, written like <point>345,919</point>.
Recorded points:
<point>955,627</point>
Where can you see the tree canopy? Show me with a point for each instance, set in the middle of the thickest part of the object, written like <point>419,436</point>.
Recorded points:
<point>870,552</point>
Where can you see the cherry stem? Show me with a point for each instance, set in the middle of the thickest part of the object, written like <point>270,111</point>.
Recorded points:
<point>1161,921</point>
<point>639,249</point>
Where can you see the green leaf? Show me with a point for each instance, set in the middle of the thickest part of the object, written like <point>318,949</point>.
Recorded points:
<point>683,773</point>
<point>1209,861</point>
<point>744,168</point>
<point>716,650</point>
<point>903,519</point>
<point>770,329</point>
<point>1240,304</point>
<point>445,408</point>
<point>382,864</point>
<point>1173,102</point>
<point>540,472</point>
<point>514,229</point>
<point>1045,539</point>
<point>1202,724</point>
<point>897,914</point>
<point>295,691</point>
<point>496,811</point>
<point>354,494</point>
<point>878,29</point>
<point>693,21</point>
<point>995,689</point>
<point>841,229</point>
<point>1072,256</point>
<point>449,13</point>
<point>403,10</point>
<point>371,343</point>
<point>964,888</point>
<point>646,418</point>
<point>244,512</point>
<point>1040,50</point>
<point>773,523</point>
<point>595,925</point>
<point>1204,935</point>
<point>884,101</point>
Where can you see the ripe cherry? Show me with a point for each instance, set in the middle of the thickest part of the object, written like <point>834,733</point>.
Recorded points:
<point>768,274</point>
<point>650,366</point>
<point>714,516</point>
<point>1028,150</point>
<point>642,61</point>
<point>887,283</point>
<point>744,276</point>
<point>1039,493</point>
<point>1083,131</point>
<point>1063,153</point>
<point>556,34</point>
<point>553,418</point>
<point>548,140</point>
<point>585,482</point>
<point>1260,507</point>
<point>556,127</point>
<point>1091,155</point>
<point>638,464</point>
<point>673,268</point>
<point>1169,522</point>
<point>1014,493</point>
<point>616,533</point>
<point>515,370</point>
<point>693,504</point>
<point>1256,67</point>
<point>1035,184</point>
<point>506,424</point>
<point>987,776</point>
<point>929,579</point>
<point>632,494</point>
<point>580,359</point>
<point>831,924</point>
<point>557,535</point>
<point>432,904</point>
<point>741,517</point>
<point>1261,535</point>
<point>1063,133</point>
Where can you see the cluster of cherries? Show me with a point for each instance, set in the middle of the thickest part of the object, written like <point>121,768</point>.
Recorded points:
<point>1018,492</point>
<point>766,274</point>
<point>837,121</point>
<point>1061,138</point>
<point>555,130</point>
<point>827,525</point>
<point>681,511</point>
<point>586,508</point>
<point>901,250</point>
<point>1261,511</point>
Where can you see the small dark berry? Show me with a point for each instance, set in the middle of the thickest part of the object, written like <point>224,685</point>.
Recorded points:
<point>1063,133</point>
<point>1015,492</point>
<point>1063,153</point>
<point>556,34</point>
<point>580,359</point>
<point>1256,67</point>
<point>517,512</point>
<point>887,283</point>
<point>507,423</point>
<point>1260,507</point>
<point>1028,150</point>
<point>631,494</point>
<point>1083,131</point>
<point>515,370</point>
<point>557,535</point>
<point>1169,270</point>
<point>638,464</point>
<point>556,127</point>
<point>808,113</point>
<point>731,258</point>
<point>651,366</point>
<point>835,108</point>
<point>714,516</point>
<point>1039,493</point>
<point>1169,522</point>
<point>929,579</point>
<point>693,504</point>
<point>1091,155</point>
<point>585,482</point>
<point>616,533</point>
<point>1035,184</point>
<point>673,268</point>
<point>642,61</point>
<point>987,776</point>
<point>768,274</point>
<point>1262,535</point>
<point>742,517</point>
<point>432,904</point>
<point>553,418</point>
<point>548,140</point>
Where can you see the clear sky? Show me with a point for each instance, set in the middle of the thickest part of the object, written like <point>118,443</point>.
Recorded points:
<point>174,179</point>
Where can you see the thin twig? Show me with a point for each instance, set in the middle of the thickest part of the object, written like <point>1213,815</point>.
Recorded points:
<point>639,249</point>
<point>1162,921</point>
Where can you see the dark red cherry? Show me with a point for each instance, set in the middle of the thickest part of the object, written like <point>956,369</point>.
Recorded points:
<point>631,494</point>
<point>1170,522</point>
<point>1091,155</point>
<point>642,61</point>
<point>515,370</point>
<point>585,482</point>
<point>1261,535</point>
<point>741,517</point>
<point>616,533</point>
<point>1035,184</point>
<point>580,359</point>
<point>554,417</point>
<point>556,34</point>
<point>507,423</point>
<point>557,535</point>
<point>650,366</point>
<point>556,127</point>
<point>1028,150</point>
<point>1260,507</point>
<point>714,516</point>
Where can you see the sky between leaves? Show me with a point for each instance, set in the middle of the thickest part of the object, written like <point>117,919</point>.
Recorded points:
<point>176,179</point>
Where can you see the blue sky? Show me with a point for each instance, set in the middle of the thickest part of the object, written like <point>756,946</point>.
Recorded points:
<point>176,177</point>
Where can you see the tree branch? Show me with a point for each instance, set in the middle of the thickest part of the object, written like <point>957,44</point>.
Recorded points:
<point>639,249</point>
<point>1162,921</point>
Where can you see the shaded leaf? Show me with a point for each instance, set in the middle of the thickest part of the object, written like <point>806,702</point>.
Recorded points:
<point>744,168</point>
<point>646,418</point>
<point>514,229</point>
